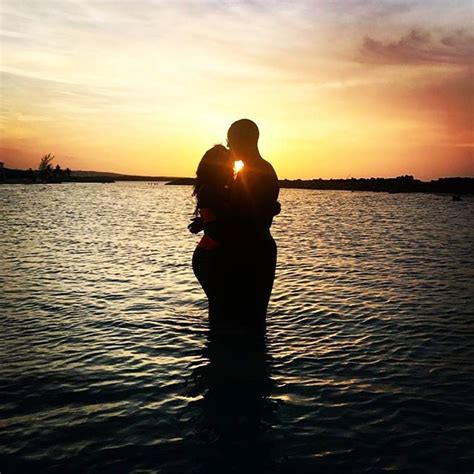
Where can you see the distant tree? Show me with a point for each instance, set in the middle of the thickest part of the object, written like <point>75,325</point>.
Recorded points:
<point>58,171</point>
<point>405,177</point>
<point>68,172</point>
<point>45,166</point>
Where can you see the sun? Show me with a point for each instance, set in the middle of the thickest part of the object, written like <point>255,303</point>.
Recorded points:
<point>238,165</point>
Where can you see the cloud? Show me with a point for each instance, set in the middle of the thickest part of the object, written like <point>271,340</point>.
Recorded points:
<point>420,47</point>
<point>37,98</point>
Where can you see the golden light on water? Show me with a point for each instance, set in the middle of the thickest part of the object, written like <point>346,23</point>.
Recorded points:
<point>238,165</point>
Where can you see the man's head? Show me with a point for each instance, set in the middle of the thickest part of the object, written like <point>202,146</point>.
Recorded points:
<point>242,139</point>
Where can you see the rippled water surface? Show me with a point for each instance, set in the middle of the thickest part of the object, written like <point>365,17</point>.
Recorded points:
<point>106,364</point>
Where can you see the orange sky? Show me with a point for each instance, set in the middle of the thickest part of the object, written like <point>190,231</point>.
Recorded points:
<point>338,88</point>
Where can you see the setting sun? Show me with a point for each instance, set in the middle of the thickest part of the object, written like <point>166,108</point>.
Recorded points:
<point>238,165</point>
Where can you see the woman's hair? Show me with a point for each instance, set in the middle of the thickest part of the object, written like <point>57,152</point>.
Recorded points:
<point>214,173</point>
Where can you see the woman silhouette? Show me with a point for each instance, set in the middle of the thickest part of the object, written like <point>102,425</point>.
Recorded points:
<point>213,180</point>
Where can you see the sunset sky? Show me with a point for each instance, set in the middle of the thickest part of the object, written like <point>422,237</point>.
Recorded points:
<point>338,88</point>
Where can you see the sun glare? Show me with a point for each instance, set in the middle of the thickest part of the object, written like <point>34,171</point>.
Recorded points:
<point>238,165</point>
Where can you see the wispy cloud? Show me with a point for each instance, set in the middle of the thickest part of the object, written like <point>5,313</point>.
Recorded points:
<point>421,47</point>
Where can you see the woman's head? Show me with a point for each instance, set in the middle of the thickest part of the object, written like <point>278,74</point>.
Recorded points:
<point>215,169</point>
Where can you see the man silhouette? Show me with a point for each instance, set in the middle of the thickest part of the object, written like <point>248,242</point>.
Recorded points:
<point>253,201</point>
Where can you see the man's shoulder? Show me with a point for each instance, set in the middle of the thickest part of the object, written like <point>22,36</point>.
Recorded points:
<point>267,169</point>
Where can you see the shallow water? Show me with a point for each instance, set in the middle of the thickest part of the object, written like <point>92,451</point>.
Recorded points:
<point>106,362</point>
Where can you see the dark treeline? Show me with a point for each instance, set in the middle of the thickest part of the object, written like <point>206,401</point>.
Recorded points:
<point>401,184</point>
<point>46,173</point>
<point>63,176</point>
<point>56,175</point>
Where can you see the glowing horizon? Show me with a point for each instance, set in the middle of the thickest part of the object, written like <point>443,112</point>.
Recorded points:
<point>338,89</point>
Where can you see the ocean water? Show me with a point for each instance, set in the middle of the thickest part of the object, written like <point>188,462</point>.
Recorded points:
<point>107,364</point>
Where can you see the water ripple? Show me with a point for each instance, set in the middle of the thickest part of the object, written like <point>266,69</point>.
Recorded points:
<point>107,363</point>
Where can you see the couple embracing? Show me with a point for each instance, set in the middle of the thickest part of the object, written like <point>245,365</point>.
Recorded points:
<point>236,257</point>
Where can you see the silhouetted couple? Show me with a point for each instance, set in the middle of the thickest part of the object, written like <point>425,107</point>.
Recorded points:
<point>236,258</point>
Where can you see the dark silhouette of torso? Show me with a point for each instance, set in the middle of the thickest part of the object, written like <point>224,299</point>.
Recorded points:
<point>249,250</point>
<point>252,202</point>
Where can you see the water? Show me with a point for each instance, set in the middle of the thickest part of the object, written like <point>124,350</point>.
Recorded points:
<point>106,361</point>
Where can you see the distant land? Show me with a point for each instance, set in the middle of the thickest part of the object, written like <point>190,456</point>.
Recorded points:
<point>121,177</point>
<point>400,184</point>
<point>17,176</point>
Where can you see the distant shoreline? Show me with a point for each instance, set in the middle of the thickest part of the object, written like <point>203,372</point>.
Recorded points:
<point>17,176</point>
<point>400,184</point>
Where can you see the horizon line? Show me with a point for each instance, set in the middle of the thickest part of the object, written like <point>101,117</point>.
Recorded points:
<point>280,179</point>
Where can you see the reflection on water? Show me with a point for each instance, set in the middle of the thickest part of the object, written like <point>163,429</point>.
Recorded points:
<point>107,362</point>
<point>235,411</point>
